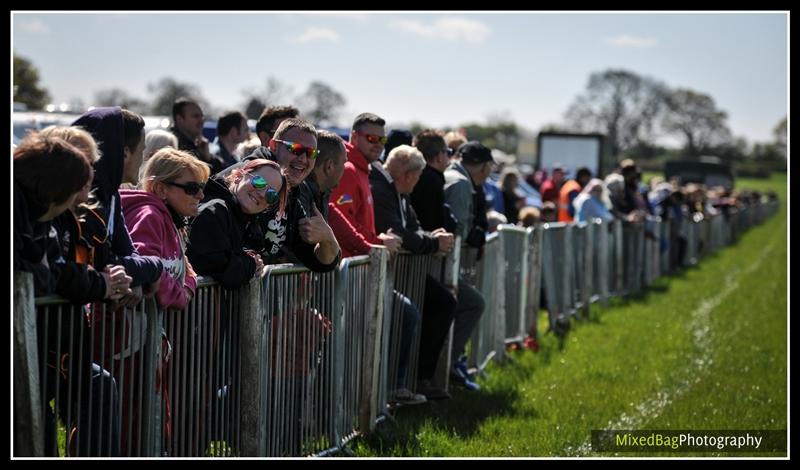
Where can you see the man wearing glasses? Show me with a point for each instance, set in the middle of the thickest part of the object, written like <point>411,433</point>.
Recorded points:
<point>302,235</point>
<point>353,196</point>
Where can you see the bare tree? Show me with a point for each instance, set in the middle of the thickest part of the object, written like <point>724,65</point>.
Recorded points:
<point>695,116</point>
<point>620,104</point>
<point>167,90</point>
<point>274,93</point>
<point>119,97</point>
<point>322,104</point>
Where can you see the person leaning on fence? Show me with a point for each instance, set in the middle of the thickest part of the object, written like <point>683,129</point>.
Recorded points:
<point>120,136</point>
<point>233,199</point>
<point>49,176</point>
<point>173,182</point>
<point>301,234</point>
<point>327,172</point>
<point>352,196</point>
<point>591,203</point>
<point>391,184</point>
<point>462,181</point>
<point>80,283</point>
<point>569,191</point>
<point>430,204</point>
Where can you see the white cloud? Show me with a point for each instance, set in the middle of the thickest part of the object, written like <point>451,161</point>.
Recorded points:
<point>33,26</point>
<point>450,29</point>
<point>623,40</point>
<point>317,34</point>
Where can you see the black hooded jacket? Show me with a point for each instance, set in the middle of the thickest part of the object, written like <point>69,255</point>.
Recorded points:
<point>32,241</point>
<point>106,126</point>
<point>216,237</point>
<point>280,239</point>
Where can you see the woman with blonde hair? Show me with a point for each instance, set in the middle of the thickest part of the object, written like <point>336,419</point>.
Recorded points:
<point>172,188</point>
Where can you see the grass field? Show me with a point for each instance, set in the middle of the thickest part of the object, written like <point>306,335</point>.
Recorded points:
<point>704,349</point>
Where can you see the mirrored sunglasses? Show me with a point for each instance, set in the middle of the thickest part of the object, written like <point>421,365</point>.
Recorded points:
<point>258,182</point>
<point>374,139</point>
<point>299,149</point>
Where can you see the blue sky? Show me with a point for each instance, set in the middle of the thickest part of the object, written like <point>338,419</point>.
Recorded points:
<point>441,69</point>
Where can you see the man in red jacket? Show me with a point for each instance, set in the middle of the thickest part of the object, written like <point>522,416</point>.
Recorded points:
<point>353,197</point>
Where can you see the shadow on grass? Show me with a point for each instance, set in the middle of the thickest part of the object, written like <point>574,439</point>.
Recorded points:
<point>462,415</point>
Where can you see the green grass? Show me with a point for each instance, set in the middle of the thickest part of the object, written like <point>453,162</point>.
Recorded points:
<point>643,350</point>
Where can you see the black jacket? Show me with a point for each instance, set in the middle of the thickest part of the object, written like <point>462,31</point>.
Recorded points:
<point>428,201</point>
<point>280,240</point>
<point>216,237</point>
<point>106,126</point>
<point>32,241</point>
<point>76,282</point>
<point>185,143</point>
<point>394,211</point>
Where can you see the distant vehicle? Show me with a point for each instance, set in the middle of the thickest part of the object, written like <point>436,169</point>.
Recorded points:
<point>27,121</point>
<point>523,190</point>
<point>706,172</point>
<point>572,151</point>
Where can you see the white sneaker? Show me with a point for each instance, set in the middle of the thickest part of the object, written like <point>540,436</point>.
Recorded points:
<point>407,397</point>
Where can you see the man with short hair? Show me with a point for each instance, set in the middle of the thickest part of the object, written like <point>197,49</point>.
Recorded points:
<point>353,196</point>
<point>270,119</point>
<point>303,230</point>
<point>232,129</point>
<point>552,186</point>
<point>187,119</point>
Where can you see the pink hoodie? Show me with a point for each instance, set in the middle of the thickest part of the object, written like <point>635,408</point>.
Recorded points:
<point>153,233</point>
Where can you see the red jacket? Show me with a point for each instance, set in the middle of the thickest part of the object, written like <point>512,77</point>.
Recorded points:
<point>353,197</point>
<point>350,241</point>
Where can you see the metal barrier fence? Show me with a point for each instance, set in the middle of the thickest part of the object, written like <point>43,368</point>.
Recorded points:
<point>558,275</point>
<point>488,339</point>
<point>515,245</point>
<point>299,308</point>
<point>301,362</point>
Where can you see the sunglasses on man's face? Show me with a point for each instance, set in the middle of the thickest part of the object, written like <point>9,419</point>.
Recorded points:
<point>191,188</point>
<point>299,149</point>
<point>259,183</point>
<point>374,139</point>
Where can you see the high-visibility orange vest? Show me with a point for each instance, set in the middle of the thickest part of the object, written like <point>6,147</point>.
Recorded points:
<point>563,200</point>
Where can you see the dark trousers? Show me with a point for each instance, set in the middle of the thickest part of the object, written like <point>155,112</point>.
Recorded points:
<point>438,312</point>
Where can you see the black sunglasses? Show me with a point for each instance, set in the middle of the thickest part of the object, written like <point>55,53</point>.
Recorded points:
<point>191,188</point>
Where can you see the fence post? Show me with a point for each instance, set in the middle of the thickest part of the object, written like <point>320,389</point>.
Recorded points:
<point>28,426</point>
<point>374,321</point>
<point>255,369</point>
<point>449,278</point>
<point>534,236</point>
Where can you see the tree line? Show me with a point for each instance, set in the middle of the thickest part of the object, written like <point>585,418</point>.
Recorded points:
<point>631,110</point>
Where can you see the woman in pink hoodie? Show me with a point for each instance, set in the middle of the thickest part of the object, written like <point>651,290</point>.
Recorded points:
<point>172,182</point>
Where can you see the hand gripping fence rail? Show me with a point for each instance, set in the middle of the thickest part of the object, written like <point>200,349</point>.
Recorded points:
<point>298,363</point>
